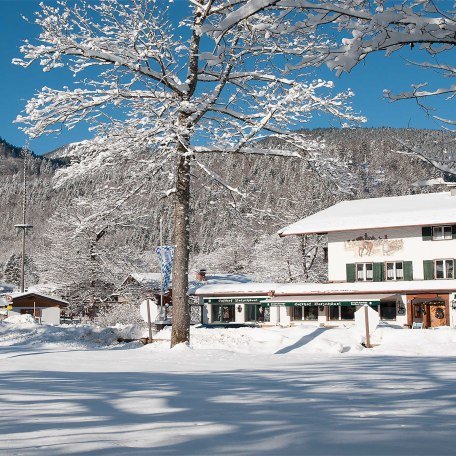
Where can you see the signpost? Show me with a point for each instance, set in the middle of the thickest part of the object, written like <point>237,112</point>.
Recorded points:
<point>366,321</point>
<point>149,313</point>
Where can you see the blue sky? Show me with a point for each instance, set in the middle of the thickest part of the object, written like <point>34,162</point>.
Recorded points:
<point>367,80</point>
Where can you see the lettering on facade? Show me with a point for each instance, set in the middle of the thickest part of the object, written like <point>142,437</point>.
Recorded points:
<point>367,245</point>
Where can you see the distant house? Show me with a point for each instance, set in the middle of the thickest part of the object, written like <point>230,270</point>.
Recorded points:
<point>396,254</point>
<point>147,280</point>
<point>45,308</point>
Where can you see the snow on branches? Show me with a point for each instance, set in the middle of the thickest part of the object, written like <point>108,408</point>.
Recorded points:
<point>360,28</point>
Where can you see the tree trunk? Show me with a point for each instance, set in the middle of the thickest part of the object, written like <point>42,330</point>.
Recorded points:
<point>181,310</point>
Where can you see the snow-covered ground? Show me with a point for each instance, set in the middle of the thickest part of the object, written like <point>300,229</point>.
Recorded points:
<point>301,390</point>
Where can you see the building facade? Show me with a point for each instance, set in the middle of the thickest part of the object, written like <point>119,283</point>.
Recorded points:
<point>395,254</point>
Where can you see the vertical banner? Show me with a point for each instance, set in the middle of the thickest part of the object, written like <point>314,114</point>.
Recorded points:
<point>166,255</point>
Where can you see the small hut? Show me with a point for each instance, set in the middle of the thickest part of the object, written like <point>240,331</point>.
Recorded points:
<point>42,307</point>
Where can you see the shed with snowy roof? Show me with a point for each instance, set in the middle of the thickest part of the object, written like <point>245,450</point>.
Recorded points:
<point>44,308</point>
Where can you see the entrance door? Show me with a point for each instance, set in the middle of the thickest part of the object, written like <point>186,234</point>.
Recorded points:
<point>418,313</point>
<point>437,315</point>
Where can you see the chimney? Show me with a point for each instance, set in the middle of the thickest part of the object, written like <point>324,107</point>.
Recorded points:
<point>201,275</point>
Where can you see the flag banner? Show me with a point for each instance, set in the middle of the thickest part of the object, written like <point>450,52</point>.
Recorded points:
<point>166,255</point>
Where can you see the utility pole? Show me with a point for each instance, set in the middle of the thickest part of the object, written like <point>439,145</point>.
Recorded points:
<point>24,226</point>
<point>161,270</point>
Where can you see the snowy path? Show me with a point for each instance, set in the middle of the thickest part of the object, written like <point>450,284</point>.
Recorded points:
<point>182,401</point>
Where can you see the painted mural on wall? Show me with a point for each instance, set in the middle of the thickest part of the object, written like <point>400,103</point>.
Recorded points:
<point>371,246</point>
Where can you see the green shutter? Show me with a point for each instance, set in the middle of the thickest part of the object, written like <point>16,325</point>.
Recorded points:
<point>351,272</point>
<point>453,231</point>
<point>426,232</point>
<point>408,270</point>
<point>378,274</point>
<point>428,269</point>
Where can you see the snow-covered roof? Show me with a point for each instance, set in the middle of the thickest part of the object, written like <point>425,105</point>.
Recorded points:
<point>146,277</point>
<point>27,293</point>
<point>296,289</point>
<point>226,288</point>
<point>396,211</point>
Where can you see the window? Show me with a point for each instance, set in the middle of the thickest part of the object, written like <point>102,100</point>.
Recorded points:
<point>256,312</point>
<point>223,314</point>
<point>388,311</point>
<point>440,233</point>
<point>394,270</point>
<point>342,312</point>
<point>364,271</point>
<point>305,313</point>
<point>443,269</point>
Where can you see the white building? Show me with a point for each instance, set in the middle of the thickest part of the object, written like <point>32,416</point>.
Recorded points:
<point>397,254</point>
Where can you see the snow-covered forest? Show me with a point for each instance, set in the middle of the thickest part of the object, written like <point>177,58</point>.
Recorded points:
<point>277,193</point>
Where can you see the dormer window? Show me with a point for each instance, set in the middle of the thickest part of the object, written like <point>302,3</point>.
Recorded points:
<point>440,233</point>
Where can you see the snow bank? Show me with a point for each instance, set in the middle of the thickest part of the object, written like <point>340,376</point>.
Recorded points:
<point>305,339</point>
<point>311,339</point>
<point>23,330</point>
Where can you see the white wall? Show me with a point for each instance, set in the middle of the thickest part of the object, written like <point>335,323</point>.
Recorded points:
<point>406,245</point>
<point>50,315</point>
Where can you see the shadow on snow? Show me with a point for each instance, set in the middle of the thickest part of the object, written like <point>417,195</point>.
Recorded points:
<point>363,405</point>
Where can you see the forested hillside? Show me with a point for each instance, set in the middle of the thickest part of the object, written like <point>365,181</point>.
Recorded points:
<point>230,233</point>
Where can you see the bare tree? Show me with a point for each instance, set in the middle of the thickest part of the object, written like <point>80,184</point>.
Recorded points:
<point>140,83</point>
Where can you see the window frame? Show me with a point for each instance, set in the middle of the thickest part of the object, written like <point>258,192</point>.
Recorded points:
<point>395,268</point>
<point>364,271</point>
<point>444,269</point>
<point>447,237</point>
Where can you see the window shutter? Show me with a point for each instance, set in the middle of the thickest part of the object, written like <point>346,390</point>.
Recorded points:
<point>426,232</point>
<point>351,272</point>
<point>428,269</point>
<point>408,270</point>
<point>378,272</point>
<point>453,231</point>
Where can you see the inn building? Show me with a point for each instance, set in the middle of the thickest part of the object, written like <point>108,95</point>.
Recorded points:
<point>397,254</point>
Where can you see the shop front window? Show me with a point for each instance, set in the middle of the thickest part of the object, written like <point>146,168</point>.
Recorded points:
<point>388,311</point>
<point>223,314</point>
<point>307,313</point>
<point>347,312</point>
<point>256,312</point>
<point>342,312</point>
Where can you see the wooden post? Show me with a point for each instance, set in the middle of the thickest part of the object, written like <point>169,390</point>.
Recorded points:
<point>148,321</point>
<point>366,322</point>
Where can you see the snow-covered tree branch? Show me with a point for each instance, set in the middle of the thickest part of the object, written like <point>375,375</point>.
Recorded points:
<point>360,28</point>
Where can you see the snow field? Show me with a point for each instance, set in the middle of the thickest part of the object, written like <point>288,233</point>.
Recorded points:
<point>247,391</point>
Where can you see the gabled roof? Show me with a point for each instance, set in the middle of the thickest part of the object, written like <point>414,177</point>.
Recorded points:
<point>397,211</point>
<point>42,295</point>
